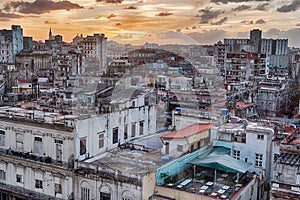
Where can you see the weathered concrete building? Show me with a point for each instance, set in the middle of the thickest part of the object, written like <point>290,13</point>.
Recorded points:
<point>286,178</point>
<point>36,157</point>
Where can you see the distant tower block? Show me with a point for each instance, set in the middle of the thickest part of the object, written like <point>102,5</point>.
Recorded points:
<point>255,39</point>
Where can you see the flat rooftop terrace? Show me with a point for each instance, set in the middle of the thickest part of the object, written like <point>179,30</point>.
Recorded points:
<point>131,161</point>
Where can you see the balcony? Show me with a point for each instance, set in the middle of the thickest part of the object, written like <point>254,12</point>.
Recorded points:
<point>28,194</point>
<point>29,156</point>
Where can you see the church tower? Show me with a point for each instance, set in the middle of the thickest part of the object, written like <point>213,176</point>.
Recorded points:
<point>50,34</point>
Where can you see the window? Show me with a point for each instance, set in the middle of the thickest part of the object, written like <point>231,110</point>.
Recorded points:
<point>236,154</point>
<point>101,140</point>
<point>126,198</point>
<point>85,193</point>
<point>2,138</point>
<point>2,174</point>
<point>19,178</point>
<point>59,152</point>
<point>141,127</point>
<point>125,132</point>
<point>115,135</point>
<point>19,142</point>
<point>57,188</point>
<point>38,183</point>
<point>82,146</point>
<point>133,129</point>
<point>104,196</point>
<point>260,137</point>
<point>38,145</point>
<point>258,160</point>
<point>179,148</point>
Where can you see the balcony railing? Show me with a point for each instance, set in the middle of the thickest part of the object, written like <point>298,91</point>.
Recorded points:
<point>29,194</point>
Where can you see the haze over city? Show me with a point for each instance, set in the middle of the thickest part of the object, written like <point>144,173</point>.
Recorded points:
<point>137,21</point>
<point>149,99</point>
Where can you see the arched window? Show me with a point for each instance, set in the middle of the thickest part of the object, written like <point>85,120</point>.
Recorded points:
<point>85,191</point>
<point>105,192</point>
<point>127,195</point>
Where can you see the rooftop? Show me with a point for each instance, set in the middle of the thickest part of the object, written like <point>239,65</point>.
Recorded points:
<point>188,131</point>
<point>132,161</point>
<point>242,105</point>
<point>208,172</point>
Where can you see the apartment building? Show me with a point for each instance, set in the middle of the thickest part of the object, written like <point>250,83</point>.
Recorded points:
<point>95,50</point>
<point>286,179</point>
<point>15,37</point>
<point>6,55</point>
<point>271,98</point>
<point>36,157</point>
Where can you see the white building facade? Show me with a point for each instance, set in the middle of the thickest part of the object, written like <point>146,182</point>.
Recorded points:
<point>35,160</point>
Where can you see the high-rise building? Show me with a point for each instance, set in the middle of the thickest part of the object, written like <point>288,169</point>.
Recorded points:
<point>15,36</point>
<point>95,49</point>
<point>255,39</point>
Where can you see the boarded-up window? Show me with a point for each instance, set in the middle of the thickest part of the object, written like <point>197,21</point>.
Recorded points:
<point>133,125</point>
<point>19,141</point>
<point>101,140</point>
<point>82,146</point>
<point>38,145</point>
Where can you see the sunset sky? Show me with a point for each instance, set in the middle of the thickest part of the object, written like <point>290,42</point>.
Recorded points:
<point>168,21</point>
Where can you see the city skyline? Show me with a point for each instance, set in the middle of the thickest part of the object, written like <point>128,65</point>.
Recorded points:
<point>136,21</point>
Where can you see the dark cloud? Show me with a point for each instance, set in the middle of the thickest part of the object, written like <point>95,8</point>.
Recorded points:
<point>247,22</point>
<point>99,16</point>
<point>298,24</point>
<point>8,15</point>
<point>178,30</point>
<point>220,22</point>
<point>194,27</point>
<point>241,8</point>
<point>208,37</point>
<point>111,16</point>
<point>293,6</point>
<point>208,14</point>
<point>50,22</point>
<point>91,8</point>
<point>131,8</point>
<point>262,7</point>
<point>118,24</point>
<point>110,1</point>
<point>260,21</point>
<point>162,14</point>
<point>40,6</point>
<point>234,1</point>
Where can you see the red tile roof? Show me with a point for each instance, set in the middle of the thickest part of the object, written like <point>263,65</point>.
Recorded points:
<point>187,131</point>
<point>242,105</point>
